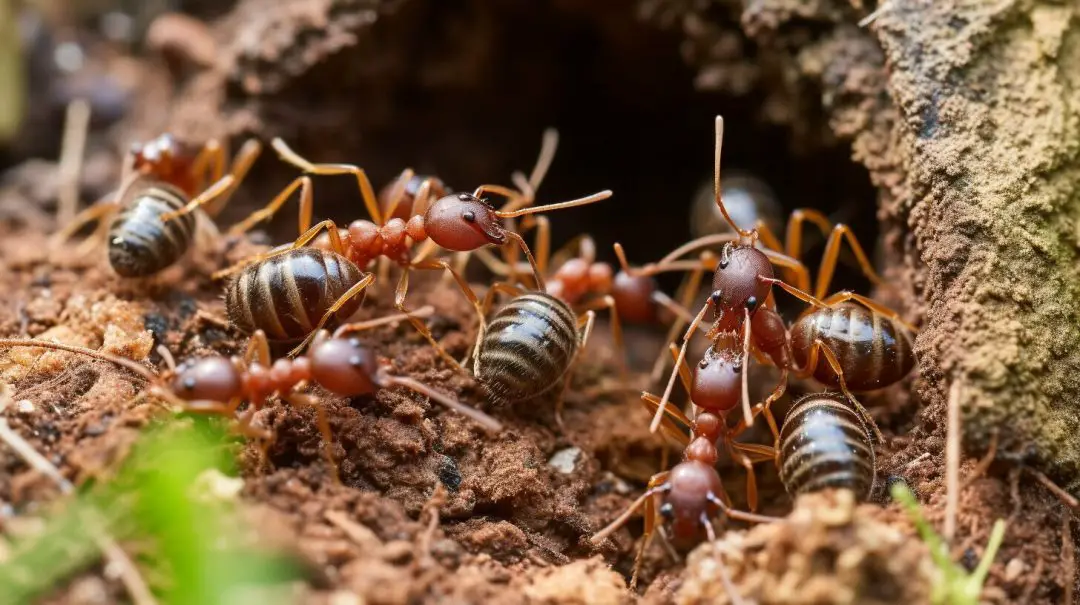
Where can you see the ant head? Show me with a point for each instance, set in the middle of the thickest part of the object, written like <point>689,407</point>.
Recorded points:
<point>463,222</point>
<point>208,379</point>
<point>343,366</point>
<point>738,279</point>
<point>633,296</point>
<point>693,486</point>
<point>717,384</point>
<point>167,159</point>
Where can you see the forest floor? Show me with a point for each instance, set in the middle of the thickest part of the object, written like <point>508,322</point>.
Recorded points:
<point>430,508</point>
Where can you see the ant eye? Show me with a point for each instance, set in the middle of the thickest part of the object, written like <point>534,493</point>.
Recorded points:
<point>704,363</point>
<point>667,511</point>
<point>723,263</point>
<point>715,297</point>
<point>465,197</point>
<point>189,383</point>
<point>356,361</point>
<point>751,303</point>
<point>469,216</point>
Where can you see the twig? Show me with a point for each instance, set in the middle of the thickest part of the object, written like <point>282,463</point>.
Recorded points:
<point>72,150</point>
<point>128,573</point>
<point>984,462</point>
<point>952,461</point>
<point>877,12</point>
<point>1068,558</point>
<point>1066,498</point>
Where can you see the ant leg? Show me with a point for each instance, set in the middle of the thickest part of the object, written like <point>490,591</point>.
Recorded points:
<point>362,181</point>
<point>657,485</point>
<point>360,326</point>
<point>608,302</point>
<point>263,214</point>
<point>694,244</point>
<point>421,327</point>
<point>99,212</point>
<point>495,265</point>
<point>751,477</point>
<point>874,306</point>
<point>688,290</point>
<point>727,511</point>
<point>238,168</point>
<point>258,349</point>
<point>466,289</point>
<point>802,281</point>
<point>585,328</point>
<point>792,290</point>
<point>746,368</point>
<point>767,237</point>
<point>342,300</point>
<point>684,368</point>
<point>538,277</point>
<point>682,355</point>
<point>398,192</point>
<point>725,576</point>
<point>793,237</point>
<point>218,189</point>
<point>299,400</point>
<point>668,426</point>
<point>472,413</point>
<point>832,253</point>
<point>210,160</point>
<point>331,230</point>
<point>650,517</point>
<point>834,364</point>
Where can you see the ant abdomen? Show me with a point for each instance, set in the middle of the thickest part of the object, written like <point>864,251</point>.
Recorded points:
<point>527,348</point>
<point>872,350</point>
<point>140,242</point>
<point>825,443</point>
<point>286,295</point>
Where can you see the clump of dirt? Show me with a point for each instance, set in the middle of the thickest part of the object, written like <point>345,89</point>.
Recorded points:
<point>827,550</point>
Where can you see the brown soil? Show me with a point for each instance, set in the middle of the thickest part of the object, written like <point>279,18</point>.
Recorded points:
<point>928,100</point>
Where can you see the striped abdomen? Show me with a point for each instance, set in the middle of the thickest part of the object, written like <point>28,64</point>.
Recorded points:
<point>824,444</point>
<point>528,347</point>
<point>286,295</point>
<point>873,351</point>
<point>140,243</point>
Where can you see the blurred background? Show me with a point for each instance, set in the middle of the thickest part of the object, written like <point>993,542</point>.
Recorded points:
<point>458,88</point>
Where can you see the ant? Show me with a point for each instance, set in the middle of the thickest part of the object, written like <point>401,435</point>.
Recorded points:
<point>584,283</point>
<point>218,385</point>
<point>690,494</point>
<point>164,181</point>
<point>835,340</point>
<point>459,222</point>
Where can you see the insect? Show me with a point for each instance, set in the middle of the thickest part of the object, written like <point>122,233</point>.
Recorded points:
<point>585,284</point>
<point>459,222</point>
<point>875,348</point>
<point>149,222</point>
<point>338,362</point>
<point>688,496</point>
<point>528,346</point>
<point>747,198</point>
<point>826,443</point>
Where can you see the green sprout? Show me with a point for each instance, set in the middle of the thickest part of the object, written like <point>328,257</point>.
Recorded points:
<point>189,545</point>
<point>956,586</point>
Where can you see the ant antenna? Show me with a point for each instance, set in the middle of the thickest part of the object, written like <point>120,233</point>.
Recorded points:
<point>167,357</point>
<point>44,344</point>
<point>716,181</point>
<point>596,197</point>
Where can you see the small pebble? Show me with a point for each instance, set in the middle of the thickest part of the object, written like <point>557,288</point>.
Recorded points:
<point>1013,569</point>
<point>565,460</point>
<point>25,406</point>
